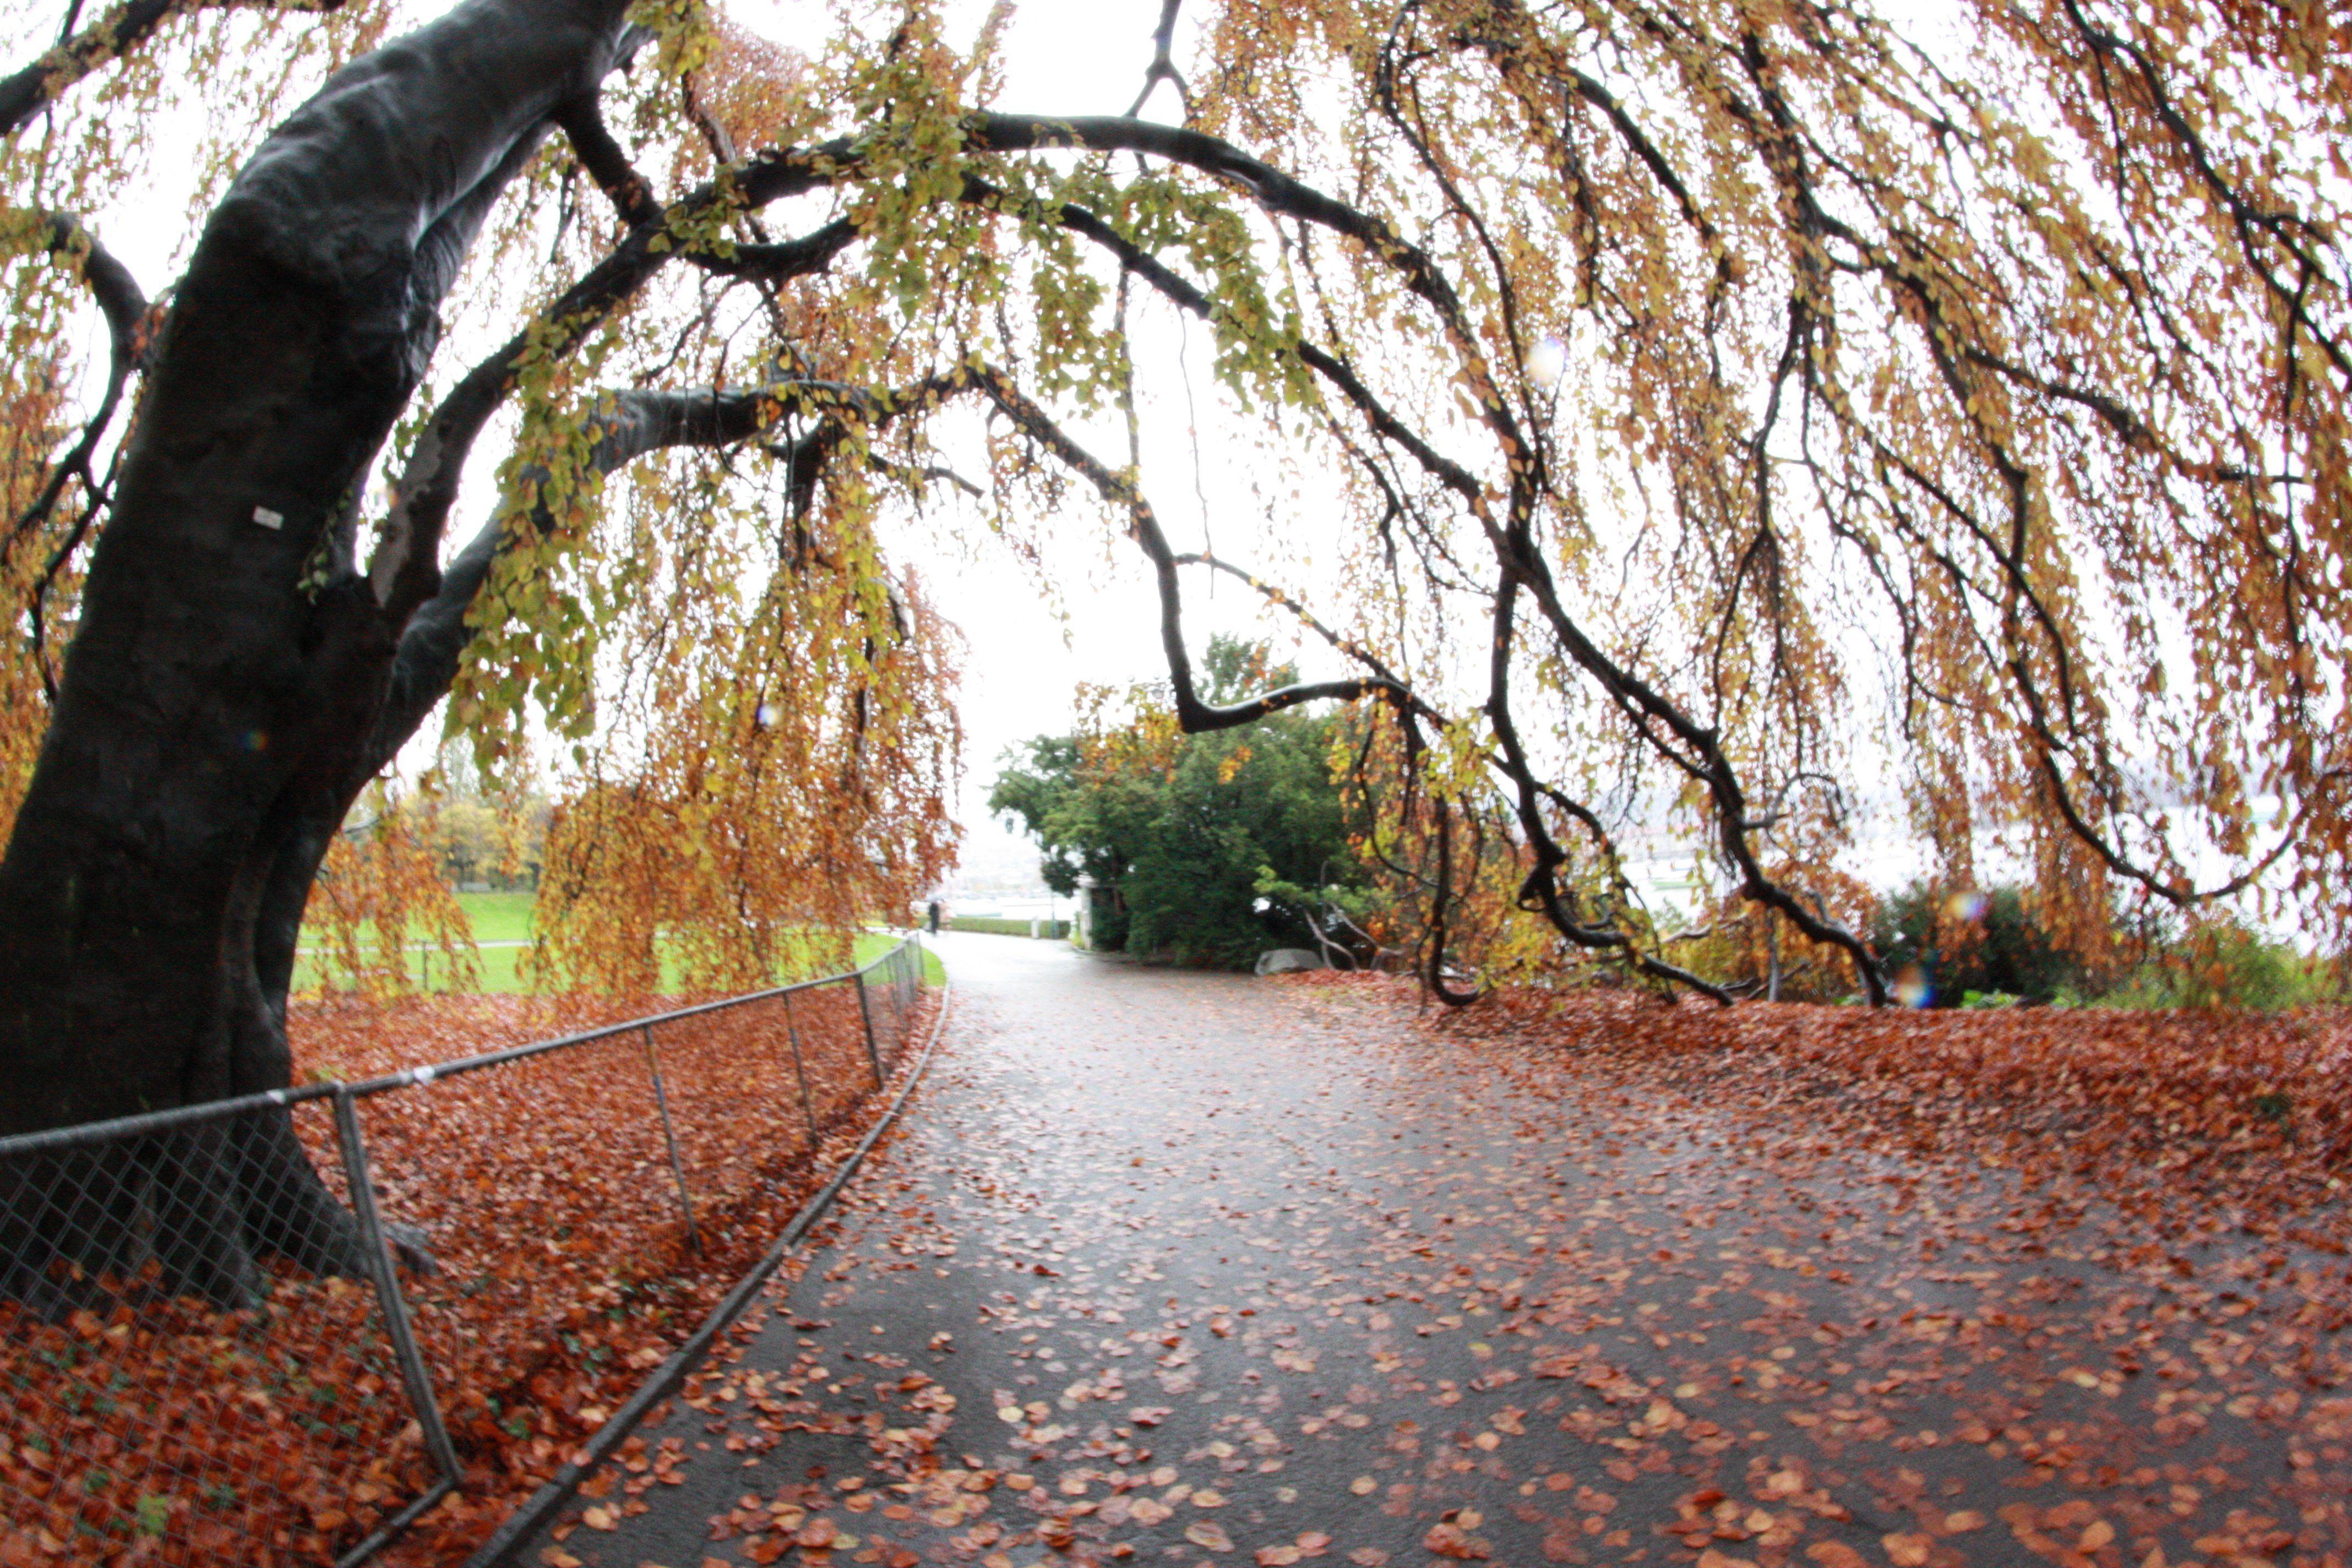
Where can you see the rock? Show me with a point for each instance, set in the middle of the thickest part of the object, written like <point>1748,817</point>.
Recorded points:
<point>1286,961</point>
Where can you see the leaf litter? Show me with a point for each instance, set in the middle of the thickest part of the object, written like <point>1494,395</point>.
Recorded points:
<point>563,1275</point>
<point>1179,1267</point>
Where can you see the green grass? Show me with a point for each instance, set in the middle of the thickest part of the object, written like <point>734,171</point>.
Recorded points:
<point>506,918</point>
<point>498,917</point>
<point>873,944</point>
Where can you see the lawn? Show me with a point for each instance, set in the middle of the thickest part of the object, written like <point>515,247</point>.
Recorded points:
<point>501,923</point>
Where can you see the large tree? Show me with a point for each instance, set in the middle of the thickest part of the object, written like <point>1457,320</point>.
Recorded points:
<point>1716,409</point>
<point>1210,849</point>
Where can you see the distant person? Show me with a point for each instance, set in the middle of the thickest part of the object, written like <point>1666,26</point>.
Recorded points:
<point>933,912</point>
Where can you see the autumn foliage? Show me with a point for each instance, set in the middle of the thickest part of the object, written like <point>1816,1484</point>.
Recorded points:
<point>2164,1116</point>
<point>564,1271</point>
<point>1729,425</point>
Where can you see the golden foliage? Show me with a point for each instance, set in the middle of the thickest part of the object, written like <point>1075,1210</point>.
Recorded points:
<point>381,881</point>
<point>1740,423</point>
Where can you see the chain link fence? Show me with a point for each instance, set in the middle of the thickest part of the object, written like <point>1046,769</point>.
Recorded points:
<point>441,1276</point>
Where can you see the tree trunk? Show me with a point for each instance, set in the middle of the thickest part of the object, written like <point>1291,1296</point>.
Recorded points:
<point>231,664</point>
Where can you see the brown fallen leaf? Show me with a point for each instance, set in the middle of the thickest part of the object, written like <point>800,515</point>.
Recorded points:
<point>1908,1549</point>
<point>1448,1540</point>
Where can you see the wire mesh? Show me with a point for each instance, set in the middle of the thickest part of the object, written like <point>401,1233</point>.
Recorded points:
<point>532,1238</point>
<point>197,1362</point>
<point>735,1095</point>
<point>193,1355</point>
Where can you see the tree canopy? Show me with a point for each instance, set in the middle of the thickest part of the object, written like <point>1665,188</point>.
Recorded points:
<point>1716,419</point>
<point>1211,847</point>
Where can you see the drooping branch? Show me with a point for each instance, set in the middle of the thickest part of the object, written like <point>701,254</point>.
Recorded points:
<point>1347,646</point>
<point>1679,737</point>
<point>625,427</point>
<point>1540,887</point>
<point>120,299</point>
<point>622,428</point>
<point>130,327</point>
<point>1194,715</point>
<point>1181,292</point>
<point>27,91</point>
<point>403,572</point>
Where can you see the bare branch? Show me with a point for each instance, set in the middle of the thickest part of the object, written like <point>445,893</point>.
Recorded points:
<point>1163,66</point>
<point>130,327</point>
<point>1194,715</point>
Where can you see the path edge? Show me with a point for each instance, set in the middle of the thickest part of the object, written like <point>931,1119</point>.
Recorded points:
<point>499,1550</point>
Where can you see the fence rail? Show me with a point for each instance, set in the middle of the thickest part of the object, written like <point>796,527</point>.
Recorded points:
<point>169,1403</point>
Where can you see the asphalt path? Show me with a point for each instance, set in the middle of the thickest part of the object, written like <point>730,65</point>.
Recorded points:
<point>1192,1269</point>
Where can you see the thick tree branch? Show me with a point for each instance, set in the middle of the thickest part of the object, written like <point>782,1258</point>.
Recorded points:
<point>403,572</point>
<point>626,426</point>
<point>631,194</point>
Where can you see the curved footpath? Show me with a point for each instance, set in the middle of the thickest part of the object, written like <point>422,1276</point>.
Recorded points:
<point>1197,1269</point>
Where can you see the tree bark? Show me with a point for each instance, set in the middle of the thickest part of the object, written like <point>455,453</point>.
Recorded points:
<point>231,664</point>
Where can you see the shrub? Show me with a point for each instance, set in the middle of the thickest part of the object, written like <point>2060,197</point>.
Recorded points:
<point>2221,963</point>
<point>1951,944</point>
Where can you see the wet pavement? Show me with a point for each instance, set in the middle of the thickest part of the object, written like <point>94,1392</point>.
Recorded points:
<point>1189,1269</point>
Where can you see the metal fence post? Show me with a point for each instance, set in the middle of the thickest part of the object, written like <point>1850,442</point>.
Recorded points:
<point>395,1306</point>
<point>888,997</point>
<point>910,970</point>
<point>800,1068</point>
<point>669,1136</point>
<point>866,1011</point>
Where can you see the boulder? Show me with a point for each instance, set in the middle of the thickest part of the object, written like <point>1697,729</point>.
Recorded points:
<point>1286,961</point>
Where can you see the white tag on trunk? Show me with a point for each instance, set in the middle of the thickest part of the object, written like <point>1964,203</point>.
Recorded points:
<point>273,520</point>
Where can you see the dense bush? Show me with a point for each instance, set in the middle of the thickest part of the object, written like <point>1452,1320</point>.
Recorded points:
<point>2221,963</point>
<point>1951,949</point>
<point>989,925</point>
<point>1953,943</point>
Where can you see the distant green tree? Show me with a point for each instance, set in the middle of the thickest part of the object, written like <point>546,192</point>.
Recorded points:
<point>482,835</point>
<point>1214,847</point>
